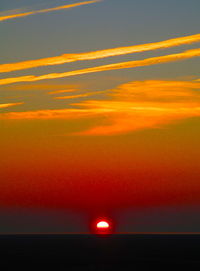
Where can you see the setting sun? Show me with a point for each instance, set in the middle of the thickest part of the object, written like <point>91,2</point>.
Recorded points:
<point>99,116</point>
<point>103,225</point>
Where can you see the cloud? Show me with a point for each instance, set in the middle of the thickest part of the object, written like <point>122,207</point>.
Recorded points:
<point>25,14</point>
<point>123,65</point>
<point>9,105</point>
<point>146,104</point>
<point>81,95</point>
<point>48,114</point>
<point>129,107</point>
<point>67,58</point>
<point>62,91</point>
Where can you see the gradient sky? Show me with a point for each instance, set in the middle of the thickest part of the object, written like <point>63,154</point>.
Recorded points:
<point>99,115</point>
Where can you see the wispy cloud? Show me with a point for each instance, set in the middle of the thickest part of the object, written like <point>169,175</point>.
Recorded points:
<point>49,114</point>
<point>81,95</point>
<point>146,104</point>
<point>25,14</point>
<point>67,58</point>
<point>9,105</point>
<point>132,106</point>
<point>123,65</point>
<point>62,91</point>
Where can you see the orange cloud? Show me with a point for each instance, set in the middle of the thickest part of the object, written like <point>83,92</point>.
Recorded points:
<point>123,65</point>
<point>25,14</point>
<point>49,114</point>
<point>67,58</point>
<point>71,96</point>
<point>146,104</point>
<point>157,90</point>
<point>9,105</point>
<point>81,95</point>
<point>133,106</point>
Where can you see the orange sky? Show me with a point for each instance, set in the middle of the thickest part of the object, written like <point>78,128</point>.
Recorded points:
<point>99,105</point>
<point>147,168</point>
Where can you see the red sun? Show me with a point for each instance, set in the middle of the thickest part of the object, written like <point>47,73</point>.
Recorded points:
<point>103,225</point>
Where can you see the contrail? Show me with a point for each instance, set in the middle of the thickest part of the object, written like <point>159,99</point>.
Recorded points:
<point>67,58</point>
<point>24,14</point>
<point>122,65</point>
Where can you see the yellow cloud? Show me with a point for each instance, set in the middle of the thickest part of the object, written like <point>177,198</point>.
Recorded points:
<point>24,14</point>
<point>9,105</point>
<point>123,65</point>
<point>132,106</point>
<point>67,58</point>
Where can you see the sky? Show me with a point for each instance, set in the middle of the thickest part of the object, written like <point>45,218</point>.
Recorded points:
<point>99,115</point>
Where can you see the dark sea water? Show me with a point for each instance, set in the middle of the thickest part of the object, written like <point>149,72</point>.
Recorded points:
<point>103,252</point>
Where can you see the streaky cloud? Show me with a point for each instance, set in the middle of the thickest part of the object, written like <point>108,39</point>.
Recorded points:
<point>9,105</point>
<point>25,14</point>
<point>147,104</point>
<point>133,106</point>
<point>48,114</point>
<point>68,58</point>
<point>81,95</point>
<point>122,65</point>
<point>62,91</point>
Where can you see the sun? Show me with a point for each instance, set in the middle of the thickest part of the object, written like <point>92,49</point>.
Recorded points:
<point>103,225</point>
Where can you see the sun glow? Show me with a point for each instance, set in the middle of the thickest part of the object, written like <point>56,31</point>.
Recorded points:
<point>103,225</point>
